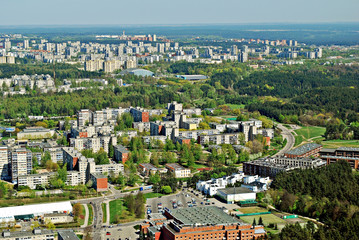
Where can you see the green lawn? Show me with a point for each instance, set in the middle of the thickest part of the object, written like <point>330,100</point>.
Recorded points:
<point>89,206</point>
<point>152,195</point>
<point>298,140</point>
<point>252,210</point>
<point>104,212</point>
<point>267,219</point>
<point>310,132</point>
<point>82,216</point>
<point>340,143</point>
<point>116,208</point>
<point>235,106</point>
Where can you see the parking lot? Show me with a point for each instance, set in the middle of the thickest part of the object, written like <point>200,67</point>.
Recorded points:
<point>125,231</point>
<point>184,199</point>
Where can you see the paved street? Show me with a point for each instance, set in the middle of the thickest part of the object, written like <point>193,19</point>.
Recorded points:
<point>287,134</point>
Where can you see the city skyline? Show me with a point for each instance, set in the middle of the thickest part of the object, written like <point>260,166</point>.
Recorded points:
<point>160,12</point>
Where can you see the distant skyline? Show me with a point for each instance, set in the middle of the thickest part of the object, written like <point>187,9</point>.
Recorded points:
<point>167,12</point>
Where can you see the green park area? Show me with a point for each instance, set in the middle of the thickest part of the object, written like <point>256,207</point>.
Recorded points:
<point>267,219</point>
<point>308,133</point>
<point>245,210</point>
<point>340,143</point>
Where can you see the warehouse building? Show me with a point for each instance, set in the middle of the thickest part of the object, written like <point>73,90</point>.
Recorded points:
<point>27,212</point>
<point>236,194</point>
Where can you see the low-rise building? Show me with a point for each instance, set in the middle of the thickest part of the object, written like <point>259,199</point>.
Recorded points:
<point>178,171</point>
<point>272,166</point>
<point>35,133</point>
<point>348,154</point>
<point>236,194</point>
<point>306,150</point>
<point>36,234</point>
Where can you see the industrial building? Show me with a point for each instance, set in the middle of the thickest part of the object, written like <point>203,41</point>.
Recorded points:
<point>306,150</point>
<point>138,72</point>
<point>348,154</point>
<point>236,194</point>
<point>25,212</point>
<point>200,223</point>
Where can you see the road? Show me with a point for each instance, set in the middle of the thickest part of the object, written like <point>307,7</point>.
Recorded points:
<point>96,227</point>
<point>287,134</point>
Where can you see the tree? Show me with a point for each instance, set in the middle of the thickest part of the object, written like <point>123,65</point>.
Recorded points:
<point>254,222</point>
<point>166,189</point>
<point>260,221</point>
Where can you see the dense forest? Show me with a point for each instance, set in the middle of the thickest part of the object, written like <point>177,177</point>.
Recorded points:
<point>330,194</point>
<point>289,94</point>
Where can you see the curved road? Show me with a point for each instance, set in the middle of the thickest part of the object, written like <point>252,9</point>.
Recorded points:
<point>287,134</point>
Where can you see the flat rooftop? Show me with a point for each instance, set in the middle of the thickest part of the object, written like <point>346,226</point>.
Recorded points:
<point>304,149</point>
<point>235,190</point>
<point>211,215</point>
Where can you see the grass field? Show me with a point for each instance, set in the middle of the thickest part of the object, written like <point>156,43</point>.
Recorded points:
<point>152,195</point>
<point>116,208</point>
<point>235,106</point>
<point>104,216</point>
<point>252,210</point>
<point>89,206</point>
<point>298,140</point>
<point>310,132</point>
<point>340,143</point>
<point>267,219</point>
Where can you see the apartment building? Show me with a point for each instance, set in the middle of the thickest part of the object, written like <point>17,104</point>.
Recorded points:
<point>140,114</point>
<point>21,163</point>
<point>4,163</point>
<point>121,154</point>
<point>33,180</point>
<point>217,139</point>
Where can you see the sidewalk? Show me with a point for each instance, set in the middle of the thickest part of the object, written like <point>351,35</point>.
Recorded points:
<point>86,215</point>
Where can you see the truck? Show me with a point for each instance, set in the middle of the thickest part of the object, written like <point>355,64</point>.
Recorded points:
<point>145,187</point>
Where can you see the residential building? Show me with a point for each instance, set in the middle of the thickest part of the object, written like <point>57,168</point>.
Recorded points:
<point>178,171</point>
<point>121,154</point>
<point>21,163</point>
<point>4,163</point>
<point>99,182</point>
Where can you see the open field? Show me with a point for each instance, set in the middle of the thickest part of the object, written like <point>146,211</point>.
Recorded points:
<point>235,106</point>
<point>116,208</point>
<point>252,210</point>
<point>340,143</point>
<point>310,132</point>
<point>267,219</point>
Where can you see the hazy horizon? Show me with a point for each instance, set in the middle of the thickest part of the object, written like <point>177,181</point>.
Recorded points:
<point>161,12</point>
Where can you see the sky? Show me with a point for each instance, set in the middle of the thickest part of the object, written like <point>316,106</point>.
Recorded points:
<point>170,12</point>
